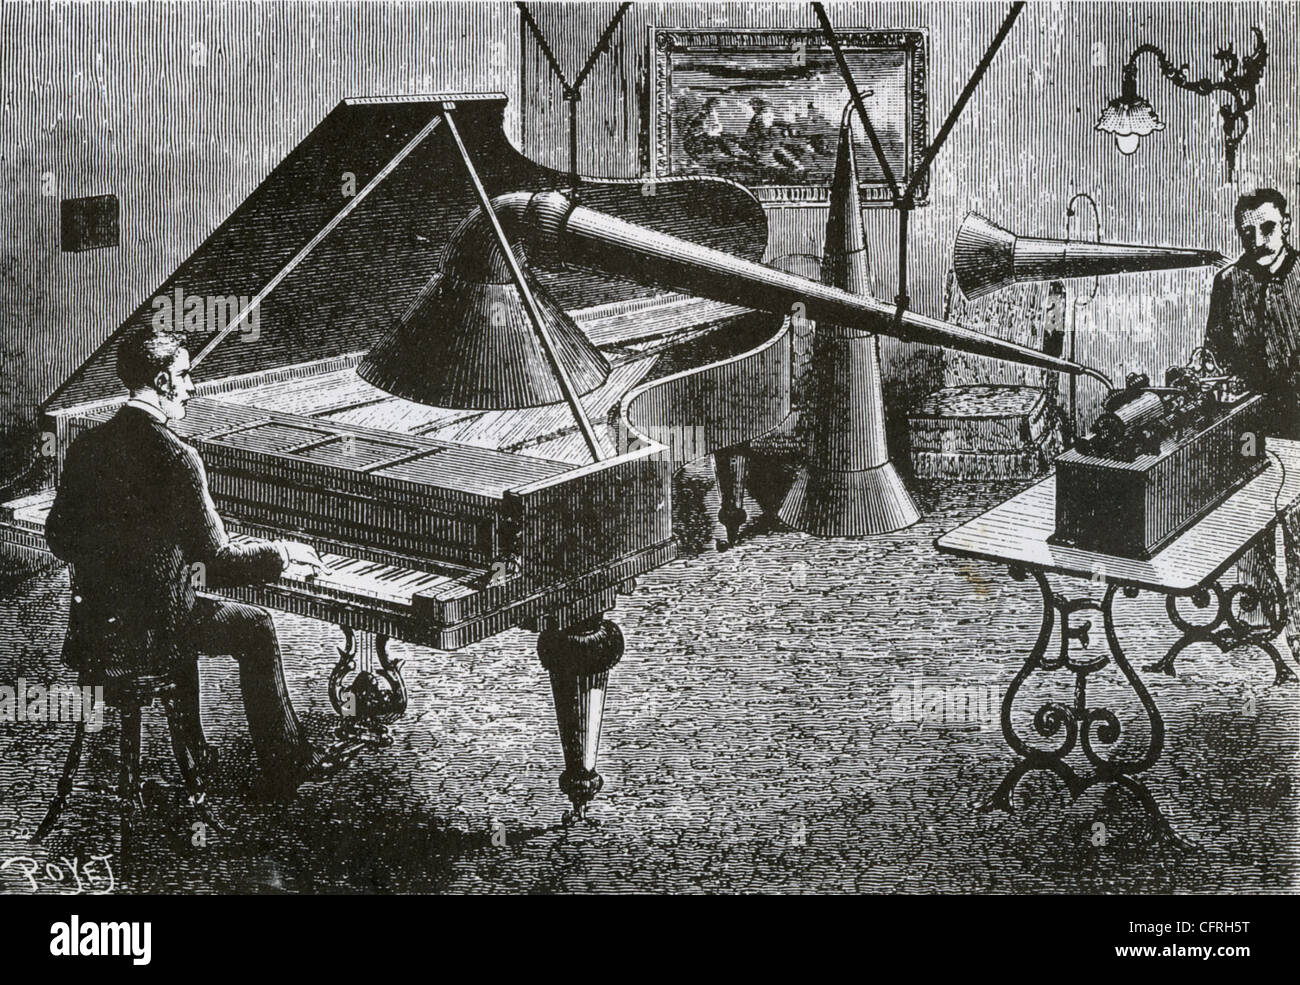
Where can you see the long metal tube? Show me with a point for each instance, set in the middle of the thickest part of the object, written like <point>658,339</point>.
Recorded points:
<point>576,234</point>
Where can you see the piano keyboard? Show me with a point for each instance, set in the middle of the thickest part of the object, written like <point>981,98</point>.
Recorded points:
<point>353,580</point>
<point>356,579</point>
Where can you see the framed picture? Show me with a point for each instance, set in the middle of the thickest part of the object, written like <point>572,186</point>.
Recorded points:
<point>763,108</point>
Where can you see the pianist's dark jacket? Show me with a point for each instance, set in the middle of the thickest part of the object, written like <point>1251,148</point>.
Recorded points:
<point>134,519</point>
<point>1254,331</point>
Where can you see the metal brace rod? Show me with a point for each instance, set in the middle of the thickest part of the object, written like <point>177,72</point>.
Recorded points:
<point>530,302</point>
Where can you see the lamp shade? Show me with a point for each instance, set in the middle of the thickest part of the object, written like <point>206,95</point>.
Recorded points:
<point>468,340</point>
<point>1129,118</point>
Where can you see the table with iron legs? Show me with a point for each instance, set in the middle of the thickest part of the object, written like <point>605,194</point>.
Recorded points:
<point>1077,739</point>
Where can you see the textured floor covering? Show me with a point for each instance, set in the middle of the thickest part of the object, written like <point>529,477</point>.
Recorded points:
<point>759,737</point>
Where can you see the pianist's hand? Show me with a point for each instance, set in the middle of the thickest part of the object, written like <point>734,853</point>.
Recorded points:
<point>304,555</point>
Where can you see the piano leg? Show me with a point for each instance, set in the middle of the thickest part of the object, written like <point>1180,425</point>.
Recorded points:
<point>579,658</point>
<point>366,706</point>
<point>729,464</point>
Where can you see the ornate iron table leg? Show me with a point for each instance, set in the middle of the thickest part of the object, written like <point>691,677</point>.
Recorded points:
<point>1228,630</point>
<point>1047,722</point>
<point>578,659</point>
<point>1077,724</point>
<point>366,706</point>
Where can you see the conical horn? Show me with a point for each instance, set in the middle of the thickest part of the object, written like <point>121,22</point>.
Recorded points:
<point>467,341</point>
<point>503,366</point>
<point>987,258</point>
<point>555,225</point>
<point>847,487</point>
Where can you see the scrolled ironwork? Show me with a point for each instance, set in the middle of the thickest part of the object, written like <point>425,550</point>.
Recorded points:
<point>1240,80</point>
<point>1227,630</point>
<point>375,697</point>
<point>1079,724</point>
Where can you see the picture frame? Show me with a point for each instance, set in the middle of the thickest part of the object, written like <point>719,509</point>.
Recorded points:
<point>763,108</point>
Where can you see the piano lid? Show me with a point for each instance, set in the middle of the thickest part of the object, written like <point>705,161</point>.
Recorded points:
<point>369,267</point>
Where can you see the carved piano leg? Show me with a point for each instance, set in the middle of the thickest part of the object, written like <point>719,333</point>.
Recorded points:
<point>729,464</point>
<point>366,706</point>
<point>579,658</point>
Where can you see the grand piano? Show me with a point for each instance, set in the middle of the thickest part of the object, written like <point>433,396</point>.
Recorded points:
<point>443,526</point>
<point>440,527</point>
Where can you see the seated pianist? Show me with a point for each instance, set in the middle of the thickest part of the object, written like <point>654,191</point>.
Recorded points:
<point>134,519</point>
<point>1253,331</point>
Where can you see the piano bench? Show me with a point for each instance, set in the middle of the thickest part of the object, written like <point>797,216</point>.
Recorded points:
<point>131,695</point>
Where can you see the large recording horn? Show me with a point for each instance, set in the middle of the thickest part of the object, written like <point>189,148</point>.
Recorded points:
<point>412,361</point>
<point>846,486</point>
<point>987,258</point>
<point>550,222</point>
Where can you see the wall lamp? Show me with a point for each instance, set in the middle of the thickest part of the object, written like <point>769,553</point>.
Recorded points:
<point>1129,117</point>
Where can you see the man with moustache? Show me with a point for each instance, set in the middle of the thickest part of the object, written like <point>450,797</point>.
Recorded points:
<point>1254,332</point>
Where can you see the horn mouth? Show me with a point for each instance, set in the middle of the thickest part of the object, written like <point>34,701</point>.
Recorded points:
<point>467,342</point>
<point>987,258</point>
<point>983,257</point>
<point>470,344</point>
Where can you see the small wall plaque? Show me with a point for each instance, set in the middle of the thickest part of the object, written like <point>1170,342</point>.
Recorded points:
<point>89,223</point>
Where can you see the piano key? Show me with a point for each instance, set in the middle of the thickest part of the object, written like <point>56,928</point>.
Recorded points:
<point>411,579</point>
<point>429,580</point>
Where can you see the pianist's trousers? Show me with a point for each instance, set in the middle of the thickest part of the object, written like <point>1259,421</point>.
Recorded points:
<point>247,633</point>
<point>1254,564</point>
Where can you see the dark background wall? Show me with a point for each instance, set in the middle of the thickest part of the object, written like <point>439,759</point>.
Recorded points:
<point>109,99</point>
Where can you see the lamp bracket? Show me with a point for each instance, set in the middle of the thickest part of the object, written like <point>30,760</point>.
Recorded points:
<point>1240,79</point>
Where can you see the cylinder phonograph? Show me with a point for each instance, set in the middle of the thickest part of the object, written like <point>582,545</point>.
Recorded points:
<point>1157,458</point>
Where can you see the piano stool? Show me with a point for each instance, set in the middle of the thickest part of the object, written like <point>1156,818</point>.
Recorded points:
<point>130,696</point>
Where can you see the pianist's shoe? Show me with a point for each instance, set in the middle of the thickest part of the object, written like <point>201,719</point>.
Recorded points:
<point>321,763</point>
